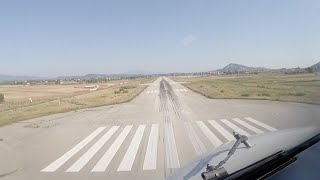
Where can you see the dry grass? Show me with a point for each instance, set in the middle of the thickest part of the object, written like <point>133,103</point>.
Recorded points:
<point>296,88</point>
<point>52,99</point>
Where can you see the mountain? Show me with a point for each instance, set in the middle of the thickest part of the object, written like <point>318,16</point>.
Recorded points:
<point>311,69</point>
<point>8,78</point>
<point>315,67</point>
<point>233,68</point>
<point>102,76</point>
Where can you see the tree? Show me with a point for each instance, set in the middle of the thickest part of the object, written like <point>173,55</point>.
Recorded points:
<point>1,98</point>
<point>309,69</point>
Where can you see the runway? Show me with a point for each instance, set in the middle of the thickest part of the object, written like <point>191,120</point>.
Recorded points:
<point>161,130</point>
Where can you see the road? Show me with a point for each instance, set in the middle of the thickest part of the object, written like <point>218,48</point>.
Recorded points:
<point>162,129</point>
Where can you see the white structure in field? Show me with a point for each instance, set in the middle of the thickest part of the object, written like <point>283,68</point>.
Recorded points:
<point>92,87</point>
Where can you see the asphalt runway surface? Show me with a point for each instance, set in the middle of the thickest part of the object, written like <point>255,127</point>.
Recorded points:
<point>162,129</point>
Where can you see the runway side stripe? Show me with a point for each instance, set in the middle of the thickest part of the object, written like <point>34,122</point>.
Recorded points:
<point>222,130</point>
<point>234,127</point>
<point>81,162</point>
<point>128,159</point>
<point>64,158</point>
<point>260,124</point>
<point>195,140</point>
<point>111,152</point>
<point>150,161</point>
<point>214,140</point>
<point>172,159</point>
<point>254,129</point>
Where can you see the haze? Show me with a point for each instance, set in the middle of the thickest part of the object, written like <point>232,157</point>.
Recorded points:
<point>52,38</point>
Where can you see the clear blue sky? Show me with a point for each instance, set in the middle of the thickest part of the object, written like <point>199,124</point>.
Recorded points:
<point>65,37</point>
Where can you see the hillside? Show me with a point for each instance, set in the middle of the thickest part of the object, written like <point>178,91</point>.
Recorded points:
<point>233,68</point>
<point>315,67</point>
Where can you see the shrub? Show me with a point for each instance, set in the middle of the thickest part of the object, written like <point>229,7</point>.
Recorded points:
<point>264,94</point>
<point>1,98</point>
<point>245,95</point>
<point>297,94</point>
<point>117,92</point>
<point>126,87</point>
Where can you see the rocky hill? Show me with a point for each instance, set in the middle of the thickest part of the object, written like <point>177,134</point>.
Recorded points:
<point>233,68</point>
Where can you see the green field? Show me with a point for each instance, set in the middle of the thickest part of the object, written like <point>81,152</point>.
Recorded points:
<point>279,87</point>
<point>51,99</point>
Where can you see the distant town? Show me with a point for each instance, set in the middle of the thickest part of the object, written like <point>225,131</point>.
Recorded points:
<point>231,69</point>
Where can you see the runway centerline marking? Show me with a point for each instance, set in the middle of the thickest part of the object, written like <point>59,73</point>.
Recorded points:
<point>260,124</point>
<point>235,127</point>
<point>172,158</point>
<point>150,161</point>
<point>213,139</point>
<point>128,159</point>
<point>254,129</point>
<point>64,158</point>
<point>81,162</point>
<point>222,130</point>
<point>102,165</point>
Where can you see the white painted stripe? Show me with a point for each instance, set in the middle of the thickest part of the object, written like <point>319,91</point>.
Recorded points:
<point>64,158</point>
<point>128,159</point>
<point>235,128</point>
<point>81,162</point>
<point>195,140</point>
<point>254,129</point>
<point>111,152</point>
<point>222,130</point>
<point>172,158</point>
<point>260,124</point>
<point>150,161</point>
<point>214,140</point>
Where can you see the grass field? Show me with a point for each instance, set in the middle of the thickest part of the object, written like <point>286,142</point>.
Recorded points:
<point>50,99</point>
<point>296,88</point>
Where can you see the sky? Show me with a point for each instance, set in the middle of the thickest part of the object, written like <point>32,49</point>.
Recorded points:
<point>76,37</point>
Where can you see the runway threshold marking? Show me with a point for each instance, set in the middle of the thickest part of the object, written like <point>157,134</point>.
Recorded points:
<point>151,154</point>
<point>260,124</point>
<point>64,158</point>
<point>235,127</point>
<point>172,158</point>
<point>222,130</point>
<point>129,157</point>
<point>213,139</point>
<point>194,138</point>
<point>150,161</point>
<point>84,159</point>
<point>103,163</point>
<point>254,129</point>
